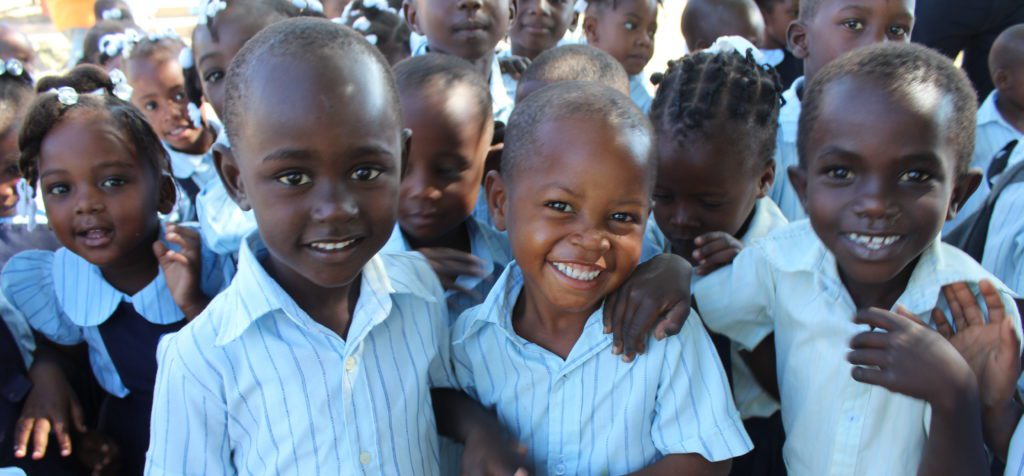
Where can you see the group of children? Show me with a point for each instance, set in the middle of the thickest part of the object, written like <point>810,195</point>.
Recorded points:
<point>386,245</point>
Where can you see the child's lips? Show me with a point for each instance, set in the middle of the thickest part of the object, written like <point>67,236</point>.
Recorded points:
<point>873,246</point>
<point>577,275</point>
<point>95,237</point>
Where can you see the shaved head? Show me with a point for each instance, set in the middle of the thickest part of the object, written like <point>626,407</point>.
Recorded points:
<point>1008,50</point>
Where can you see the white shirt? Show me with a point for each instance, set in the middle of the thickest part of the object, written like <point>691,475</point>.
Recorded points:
<point>782,191</point>
<point>1004,245</point>
<point>592,413</point>
<point>222,222</point>
<point>992,134</point>
<point>1015,456</point>
<point>255,386</point>
<point>640,91</point>
<point>198,168</point>
<point>485,243</point>
<point>790,285</point>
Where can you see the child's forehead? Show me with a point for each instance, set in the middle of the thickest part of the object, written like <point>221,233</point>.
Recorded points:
<point>878,6</point>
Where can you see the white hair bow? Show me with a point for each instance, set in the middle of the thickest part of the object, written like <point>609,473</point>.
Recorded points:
<point>737,44</point>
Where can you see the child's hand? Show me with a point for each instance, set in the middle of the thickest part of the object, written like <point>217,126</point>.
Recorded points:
<point>494,452</point>
<point>714,250</point>
<point>514,65</point>
<point>51,405</point>
<point>656,296</point>
<point>100,453</point>
<point>183,269</point>
<point>449,264</point>
<point>991,349</point>
<point>909,358</point>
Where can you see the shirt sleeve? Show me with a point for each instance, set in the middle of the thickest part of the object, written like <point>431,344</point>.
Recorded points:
<point>223,223</point>
<point>1015,457</point>
<point>736,300</point>
<point>695,412</point>
<point>27,283</point>
<point>189,422</point>
<point>1004,247</point>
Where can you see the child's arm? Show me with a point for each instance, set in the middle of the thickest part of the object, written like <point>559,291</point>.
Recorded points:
<point>689,464</point>
<point>912,359</point>
<point>991,349</point>
<point>182,269</point>
<point>656,297</point>
<point>490,449</point>
<point>51,405</point>
<point>714,250</point>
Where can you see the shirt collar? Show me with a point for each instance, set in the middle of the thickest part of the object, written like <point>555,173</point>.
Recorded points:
<point>76,281</point>
<point>789,115</point>
<point>989,114</point>
<point>254,294</point>
<point>767,217</point>
<point>185,165</point>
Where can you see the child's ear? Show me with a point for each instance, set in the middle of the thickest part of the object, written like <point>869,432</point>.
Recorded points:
<point>497,196</point>
<point>230,175</point>
<point>406,150</point>
<point>798,179</point>
<point>590,29</point>
<point>965,185</point>
<point>796,39</point>
<point>513,10</point>
<point>168,194</point>
<point>1001,79</point>
<point>410,14</point>
<point>764,183</point>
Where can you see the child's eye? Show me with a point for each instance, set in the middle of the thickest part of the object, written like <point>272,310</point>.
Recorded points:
<point>916,176</point>
<point>630,26</point>
<point>365,174</point>
<point>294,179</point>
<point>839,173</point>
<point>855,25</point>
<point>150,106</point>
<point>179,98</point>
<point>898,31</point>
<point>451,173</point>
<point>58,189</point>
<point>559,206</point>
<point>710,204</point>
<point>661,197</point>
<point>213,76</point>
<point>112,182</point>
<point>624,217</point>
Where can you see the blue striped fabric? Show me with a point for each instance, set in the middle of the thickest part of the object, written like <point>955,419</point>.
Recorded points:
<point>1015,456</point>
<point>592,413</point>
<point>255,386</point>
<point>1004,247</point>
<point>222,222</point>
<point>66,298</point>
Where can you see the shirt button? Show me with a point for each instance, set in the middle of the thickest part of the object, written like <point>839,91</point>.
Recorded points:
<point>559,469</point>
<point>365,458</point>
<point>350,364</point>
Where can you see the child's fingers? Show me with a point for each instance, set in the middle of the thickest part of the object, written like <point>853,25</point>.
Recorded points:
<point>21,435</point>
<point>870,340</point>
<point>868,357</point>
<point>718,259</point>
<point>993,302</point>
<point>876,318</point>
<point>618,314</point>
<point>63,437</point>
<point>904,312</point>
<point>673,321</point>
<point>635,323</point>
<point>160,249</point>
<point>606,316</point>
<point>40,438</point>
<point>971,310</point>
<point>871,376</point>
<point>77,415</point>
<point>955,310</point>
<point>941,323</point>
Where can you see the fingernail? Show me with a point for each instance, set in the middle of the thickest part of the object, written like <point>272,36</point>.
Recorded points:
<point>616,350</point>
<point>659,335</point>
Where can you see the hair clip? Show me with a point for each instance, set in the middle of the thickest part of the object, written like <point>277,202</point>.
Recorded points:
<point>361,24</point>
<point>580,6</point>
<point>185,58</point>
<point>112,14</point>
<point>738,45</point>
<point>208,10</point>
<point>372,39</point>
<point>121,88</point>
<point>12,67</point>
<point>379,5</point>
<point>66,95</point>
<point>195,115</point>
<point>113,44</point>
<point>311,5</point>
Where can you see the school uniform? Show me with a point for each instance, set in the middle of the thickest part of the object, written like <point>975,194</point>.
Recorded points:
<point>16,347</point>
<point>991,135</point>
<point>1015,455</point>
<point>485,243</point>
<point>255,386</point>
<point>592,413</point>
<point>66,299</point>
<point>502,99</point>
<point>640,92</point>
<point>223,223</point>
<point>192,173</point>
<point>791,286</point>
<point>782,191</point>
<point>1004,246</point>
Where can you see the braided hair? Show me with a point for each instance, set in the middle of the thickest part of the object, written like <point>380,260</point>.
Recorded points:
<point>708,93</point>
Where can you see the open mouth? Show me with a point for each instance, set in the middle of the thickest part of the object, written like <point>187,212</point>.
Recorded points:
<point>578,272</point>
<point>96,236</point>
<point>873,242</point>
<point>328,246</point>
<point>178,133</point>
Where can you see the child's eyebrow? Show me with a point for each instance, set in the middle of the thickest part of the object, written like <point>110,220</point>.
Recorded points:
<point>287,153</point>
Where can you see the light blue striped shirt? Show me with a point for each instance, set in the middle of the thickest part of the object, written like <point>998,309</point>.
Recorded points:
<point>255,386</point>
<point>485,243</point>
<point>791,286</point>
<point>1004,246</point>
<point>66,299</point>
<point>991,135</point>
<point>782,191</point>
<point>640,91</point>
<point>198,168</point>
<point>224,225</point>
<point>1015,456</point>
<point>592,413</point>
<point>19,328</point>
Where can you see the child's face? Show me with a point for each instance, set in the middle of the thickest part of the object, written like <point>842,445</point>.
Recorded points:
<point>9,173</point>
<point>841,26</point>
<point>469,29</point>
<point>881,178</point>
<point>318,163</point>
<point>159,92</point>
<point>626,32</point>
<point>575,214</point>
<point>540,25</point>
<point>101,201</point>
<point>705,186</point>
<point>446,160</point>
<point>212,58</point>
<point>1010,83</point>
<point>777,18</point>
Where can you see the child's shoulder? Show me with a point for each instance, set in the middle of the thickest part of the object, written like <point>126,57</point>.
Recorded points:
<point>28,275</point>
<point>789,247</point>
<point>409,272</point>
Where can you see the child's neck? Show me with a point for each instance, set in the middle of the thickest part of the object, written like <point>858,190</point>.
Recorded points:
<point>330,307</point>
<point>520,50</point>
<point>135,270</point>
<point>880,295</point>
<point>1011,113</point>
<point>456,239</point>
<point>554,329</point>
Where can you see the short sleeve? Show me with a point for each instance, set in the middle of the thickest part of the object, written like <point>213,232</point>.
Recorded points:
<point>27,282</point>
<point>695,412</point>
<point>736,300</point>
<point>189,421</point>
<point>224,225</point>
<point>1015,457</point>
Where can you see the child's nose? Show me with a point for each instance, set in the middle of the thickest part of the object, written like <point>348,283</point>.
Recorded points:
<point>875,202</point>
<point>334,204</point>
<point>591,239</point>
<point>89,202</point>
<point>470,4</point>
<point>683,217</point>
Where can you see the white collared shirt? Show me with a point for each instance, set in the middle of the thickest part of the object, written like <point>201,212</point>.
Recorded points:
<point>786,155</point>
<point>485,243</point>
<point>788,283</point>
<point>255,386</point>
<point>592,413</point>
<point>501,101</point>
<point>66,299</point>
<point>1015,456</point>
<point>640,91</point>
<point>222,222</point>
<point>751,399</point>
<point>1004,246</point>
<point>992,134</point>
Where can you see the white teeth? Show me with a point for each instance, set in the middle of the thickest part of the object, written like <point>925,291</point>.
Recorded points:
<point>873,242</point>
<point>330,245</point>
<point>577,272</point>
